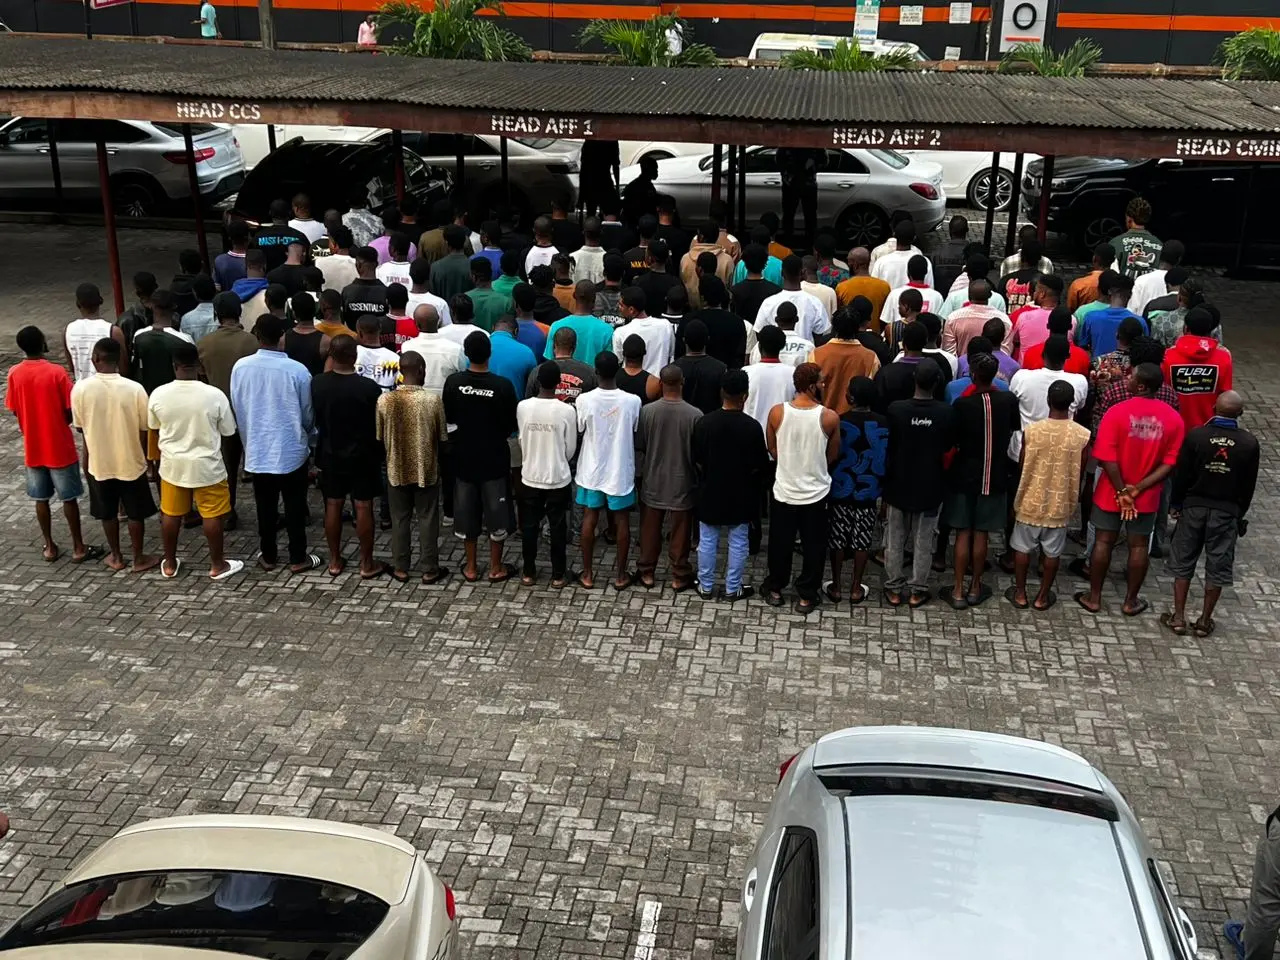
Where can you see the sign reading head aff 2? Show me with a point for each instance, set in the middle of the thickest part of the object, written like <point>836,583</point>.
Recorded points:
<point>213,110</point>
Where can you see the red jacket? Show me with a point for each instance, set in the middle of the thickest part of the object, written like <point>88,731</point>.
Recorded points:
<point>1198,370</point>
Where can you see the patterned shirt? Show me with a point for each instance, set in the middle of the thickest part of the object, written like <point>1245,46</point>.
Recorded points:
<point>411,426</point>
<point>1108,368</point>
<point>365,227</point>
<point>831,275</point>
<point>1050,472</point>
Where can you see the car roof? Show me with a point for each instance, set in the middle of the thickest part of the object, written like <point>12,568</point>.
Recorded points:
<point>961,749</point>
<point>364,859</point>
<point>970,879</point>
<point>113,951</point>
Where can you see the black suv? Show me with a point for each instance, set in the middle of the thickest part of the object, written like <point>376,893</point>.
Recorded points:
<point>326,170</point>
<point>1203,203</point>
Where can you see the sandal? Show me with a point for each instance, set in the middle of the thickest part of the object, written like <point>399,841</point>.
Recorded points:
<point>177,568</point>
<point>438,575</point>
<point>893,598</point>
<point>263,564</point>
<point>641,582</point>
<point>804,607</point>
<point>90,553</point>
<point>313,562</point>
<point>380,570</point>
<point>1012,596</point>
<point>854,601</point>
<point>577,578</point>
<point>1050,600</point>
<point>562,582</point>
<point>1082,598</point>
<point>1176,628</point>
<point>917,600</point>
<point>979,598</point>
<point>832,592</point>
<point>947,595</point>
<point>506,573</point>
<point>50,559</point>
<point>399,576</point>
<point>471,578</point>
<point>681,586</point>
<point>1204,628</point>
<point>1137,611</point>
<point>528,581</point>
<point>233,567</point>
<point>624,583</point>
<point>340,563</point>
<point>774,598</point>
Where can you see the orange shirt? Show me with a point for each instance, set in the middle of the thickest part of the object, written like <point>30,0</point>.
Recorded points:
<point>778,250</point>
<point>1082,291</point>
<point>873,288</point>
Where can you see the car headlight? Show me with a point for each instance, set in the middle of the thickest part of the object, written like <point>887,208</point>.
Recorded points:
<point>1066,183</point>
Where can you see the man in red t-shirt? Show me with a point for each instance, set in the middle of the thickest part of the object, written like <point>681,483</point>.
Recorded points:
<point>1137,447</point>
<point>1198,369</point>
<point>39,394</point>
<point>1060,322</point>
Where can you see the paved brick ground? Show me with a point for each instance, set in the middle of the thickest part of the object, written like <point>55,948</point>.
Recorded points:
<point>566,758</point>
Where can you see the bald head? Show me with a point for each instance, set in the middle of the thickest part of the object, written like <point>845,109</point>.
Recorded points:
<point>1229,405</point>
<point>427,318</point>
<point>859,259</point>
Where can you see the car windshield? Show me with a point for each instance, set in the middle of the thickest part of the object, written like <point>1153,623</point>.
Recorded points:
<point>537,143</point>
<point>890,158</point>
<point>255,914</point>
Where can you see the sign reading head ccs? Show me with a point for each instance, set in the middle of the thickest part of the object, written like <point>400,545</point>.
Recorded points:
<point>216,110</point>
<point>514,125</point>
<point>1225,148</point>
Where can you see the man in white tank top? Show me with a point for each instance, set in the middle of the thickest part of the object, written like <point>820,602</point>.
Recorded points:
<point>80,336</point>
<point>804,438</point>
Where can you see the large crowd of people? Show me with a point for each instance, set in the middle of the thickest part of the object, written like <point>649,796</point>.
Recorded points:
<point>544,385</point>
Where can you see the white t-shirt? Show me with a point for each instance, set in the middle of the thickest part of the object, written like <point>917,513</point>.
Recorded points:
<point>313,230</point>
<point>338,270</point>
<point>813,315</point>
<point>889,313</point>
<point>192,418</point>
<point>442,306</point>
<point>768,385</point>
<point>458,332</point>
<point>892,267</point>
<point>794,352</point>
<point>607,420</point>
<point>1146,288</point>
<point>379,364</point>
<point>82,334</point>
<point>659,341</point>
<point>826,295</point>
<point>539,257</point>
<point>395,271</point>
<point>588,264</point>
<point>1031,387</point>
<point>548,432</point>
<point>440,354</point>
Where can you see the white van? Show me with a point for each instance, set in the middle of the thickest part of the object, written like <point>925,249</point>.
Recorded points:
<point>774,46</point>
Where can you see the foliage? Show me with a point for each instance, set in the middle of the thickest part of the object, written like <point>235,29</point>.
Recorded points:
<point>452,30</point>
<point>646,43</point>
<point>847,57</point>
<point>1253,54</point>
<point>1037,58</point>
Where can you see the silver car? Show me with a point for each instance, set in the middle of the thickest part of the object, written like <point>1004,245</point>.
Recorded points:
<point>859,190</point>
<point>147,162</point>
<point>925,842</point>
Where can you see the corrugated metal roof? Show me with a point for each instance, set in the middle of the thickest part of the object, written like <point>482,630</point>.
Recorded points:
<point>728,93</point>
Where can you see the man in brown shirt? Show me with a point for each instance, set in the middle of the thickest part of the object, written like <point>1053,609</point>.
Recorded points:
<point>219,351</point>
<point>1085,289</point>
<point>411,426</point>
<point>842,358</point>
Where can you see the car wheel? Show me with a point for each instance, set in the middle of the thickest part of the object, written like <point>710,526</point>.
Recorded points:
<point>980,189</point>
<point>862,226</point>
<point>1100,229</point>
<point>136,198</point>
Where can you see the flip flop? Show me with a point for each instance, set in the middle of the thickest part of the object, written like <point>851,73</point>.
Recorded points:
<point>1178,629</point>
<point>380,570</point>
<point>917,600</point>
<point>829,588</point>
<point>471,579</point>
<point>341,564</point>
<point>90,553</point>
<point>1051,599</point>
<point>528,581</point>
<point>57,552</point>
<point>582,583</point>
<point>947,595</point>
<point>263,565</point>
<point>804,609</point>
<point>1142,608</point>
<point>399,577</point>
<point>564,581</point>
<point>1011,595</point>
<point>508,571</point>
<point>893,598</point>
<point>1080,597</point>
<point>441,574</point>
<point>624,583</point>
<point>862,599</point>
<point>979,598</point>
<point>774,598</point>
<point>1203,629</point>
<point>313,562</point>
<point>233,567</point>
<point>177,568</point>
<point>639,581</point>
<point>681,587</point>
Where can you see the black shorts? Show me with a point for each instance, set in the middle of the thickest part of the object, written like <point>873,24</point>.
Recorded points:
<point>851,525</point>
<point>482,505</point>
<point>1208,531</point>
<point>107,496</point>
<point>360,480</point>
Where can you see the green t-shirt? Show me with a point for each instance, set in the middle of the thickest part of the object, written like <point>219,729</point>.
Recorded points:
<point>1085,309</point>
<point>594,336</point>
<point>505,284</point>
<point>1137,252</point>
<point>490,305</point>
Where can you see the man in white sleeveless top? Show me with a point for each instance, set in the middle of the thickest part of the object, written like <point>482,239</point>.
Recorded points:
<point>804,438</point>
<point>82,334</point>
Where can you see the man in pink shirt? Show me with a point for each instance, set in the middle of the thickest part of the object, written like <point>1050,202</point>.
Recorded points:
<point>968,322</point>
<point>1031,323</point>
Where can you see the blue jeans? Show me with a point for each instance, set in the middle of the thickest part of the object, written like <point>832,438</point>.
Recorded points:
<point>709,544</point>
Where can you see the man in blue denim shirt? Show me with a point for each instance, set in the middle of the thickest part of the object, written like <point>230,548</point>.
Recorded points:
<point>271,397</point>
<point>200,320</point>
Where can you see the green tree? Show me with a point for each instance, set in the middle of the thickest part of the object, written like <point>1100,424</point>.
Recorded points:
<point>452,30</point>
<point>1037,58</point>
<point>647,43</point>
<point>847,57</point>
<point>1253,55</point>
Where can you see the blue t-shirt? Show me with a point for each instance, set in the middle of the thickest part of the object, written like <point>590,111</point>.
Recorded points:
<point>1097,332</point>
<point>208,20</point>
<point>956,388</point>
<point>511,360</point>
<point>858,473</point>
<point>772,271</point>
<point>531,335</point>
<point>594,336</point>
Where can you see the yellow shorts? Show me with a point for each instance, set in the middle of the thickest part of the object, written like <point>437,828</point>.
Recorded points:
<point>153,446</point>
<point>212,501</point>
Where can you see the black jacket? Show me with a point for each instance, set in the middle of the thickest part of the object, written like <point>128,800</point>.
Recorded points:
<point>1218,468</point>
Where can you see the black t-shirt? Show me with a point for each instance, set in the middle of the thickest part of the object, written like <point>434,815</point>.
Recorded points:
<point>702,376</point>
<point>521,242</point>
<point>566,235</point>
<point>483,408</point>
<point>897,381</point>
<point>153,358</point>
<point>920,434</point>
<point>290,276</point>
<point>729,455</point>
<point>617,236</point>
<point>637,263</point>
<point>677,241</point>
<point>726,336</point>
<point>184,298</point>
<point>1017,287</point>
<point>305,348</point>
<point>749,294</point>
<point>875,343</point>
<point>576,378</point>
<point>346,411</point>
<point>362,296</point>
<point>984,422</point>
<point>656,284</point>
<point>547,309</point>
<point>274,239</point>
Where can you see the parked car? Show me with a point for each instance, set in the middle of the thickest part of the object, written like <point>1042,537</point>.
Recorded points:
<point>774,46</point>
<point>966,175</point>
<point>147,162</point>
<point>858,190</point>
<point>1203,203</point>
<point>926,842</point>
<point>326,171</point>
<point>246,885</point>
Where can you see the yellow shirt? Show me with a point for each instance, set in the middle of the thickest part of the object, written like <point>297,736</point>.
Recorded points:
<point>112,412</point>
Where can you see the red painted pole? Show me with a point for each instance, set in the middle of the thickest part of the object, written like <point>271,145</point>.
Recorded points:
<point>109,221</point>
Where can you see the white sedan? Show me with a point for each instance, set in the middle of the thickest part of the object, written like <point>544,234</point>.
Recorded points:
<point>859,190</point>
<point>254,886</point>
<point>966,175</point>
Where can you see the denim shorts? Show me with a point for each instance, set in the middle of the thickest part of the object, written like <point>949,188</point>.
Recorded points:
<point>44,482</point>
